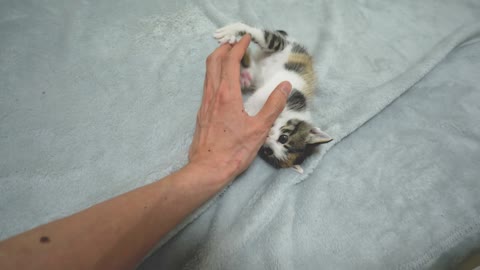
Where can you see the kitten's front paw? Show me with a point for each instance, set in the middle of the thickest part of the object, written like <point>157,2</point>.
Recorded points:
<point>230,32</point>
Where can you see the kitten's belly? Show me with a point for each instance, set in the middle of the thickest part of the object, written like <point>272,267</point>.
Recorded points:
<point>256,101</point>
<point>270,69</point>
<point>271,77</point>
<point>267,67</point>
<point>268,73</point>
<point>272,82</point>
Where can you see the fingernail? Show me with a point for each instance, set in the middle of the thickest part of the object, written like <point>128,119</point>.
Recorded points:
<point>286,88</point>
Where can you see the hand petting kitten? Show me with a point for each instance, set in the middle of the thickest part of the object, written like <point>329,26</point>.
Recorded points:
<point>293,137</point>
<point>226,138</point>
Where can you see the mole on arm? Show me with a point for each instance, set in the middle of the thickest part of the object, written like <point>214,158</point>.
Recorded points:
<point>44,240</point>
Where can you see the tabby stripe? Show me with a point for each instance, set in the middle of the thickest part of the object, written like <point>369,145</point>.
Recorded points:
<point>283,33</point>
<point>297,48</point>
<point>279,45</point>
<point>297,67</point>
<point>296,102</point>
<point>273,38</point>
<point>266,35</point>
<point>295,129</point>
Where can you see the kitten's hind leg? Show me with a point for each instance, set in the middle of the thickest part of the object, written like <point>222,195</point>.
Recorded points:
<point>246,73</point>
<point>270,41</point>
<point>246,80</point>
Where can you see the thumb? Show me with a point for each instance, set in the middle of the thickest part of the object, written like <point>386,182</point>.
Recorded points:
<point>275,103</point>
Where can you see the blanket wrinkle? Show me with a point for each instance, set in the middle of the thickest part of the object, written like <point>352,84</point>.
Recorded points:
<point>98,98</point>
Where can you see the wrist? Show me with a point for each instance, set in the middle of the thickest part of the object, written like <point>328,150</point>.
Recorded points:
<point>214,175</point>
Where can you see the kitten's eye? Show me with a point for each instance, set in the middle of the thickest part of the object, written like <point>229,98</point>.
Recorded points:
<point>283,139</point>
<point>267,151</point>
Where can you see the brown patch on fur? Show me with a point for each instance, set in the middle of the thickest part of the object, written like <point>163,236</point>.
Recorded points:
<point>291,160</point>
<point>307,73</point>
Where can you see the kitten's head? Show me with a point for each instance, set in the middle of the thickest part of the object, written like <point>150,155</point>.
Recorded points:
<point>289,145</point>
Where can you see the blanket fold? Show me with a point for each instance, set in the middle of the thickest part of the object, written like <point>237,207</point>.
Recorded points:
<point>98,98</point>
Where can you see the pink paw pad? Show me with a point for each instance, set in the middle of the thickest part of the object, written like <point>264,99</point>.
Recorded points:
<point>245,78</point>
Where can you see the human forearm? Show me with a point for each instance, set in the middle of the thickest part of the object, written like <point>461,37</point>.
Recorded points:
<point>117,233</point>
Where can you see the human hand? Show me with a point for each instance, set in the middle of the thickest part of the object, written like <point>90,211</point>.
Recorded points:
<point>226,138</point>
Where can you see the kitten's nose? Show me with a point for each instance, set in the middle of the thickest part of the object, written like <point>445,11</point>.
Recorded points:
<point>267,151</point>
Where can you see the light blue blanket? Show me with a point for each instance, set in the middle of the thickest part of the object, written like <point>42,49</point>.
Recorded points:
<point>100,97</point>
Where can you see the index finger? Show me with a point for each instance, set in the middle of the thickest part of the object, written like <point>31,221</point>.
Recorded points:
<point>231,68</point>
<point>214,64</point>
<point>239,49</point>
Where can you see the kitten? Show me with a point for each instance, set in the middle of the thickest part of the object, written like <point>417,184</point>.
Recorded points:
<point>292,138</point>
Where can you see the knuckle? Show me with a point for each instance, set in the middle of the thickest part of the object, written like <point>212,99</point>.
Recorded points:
<point>207,96</point>
<point>199,116</point>
<point>223,83</point>
<point>259,129</point>
<point>209,59</point>
<point>230,59</point>
<point>225,61</point>
<point>223,96</point>
<point>271,117</point>
<point>223,91</point>
<point>277,107</point>
<point>212,58</point>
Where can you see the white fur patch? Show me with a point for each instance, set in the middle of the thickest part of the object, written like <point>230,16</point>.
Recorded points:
<point>272,140</point>
<point>267,72</point>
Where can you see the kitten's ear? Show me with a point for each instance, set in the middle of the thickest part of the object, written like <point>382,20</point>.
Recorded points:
<point>317,136</point>
<point>298,168</point>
